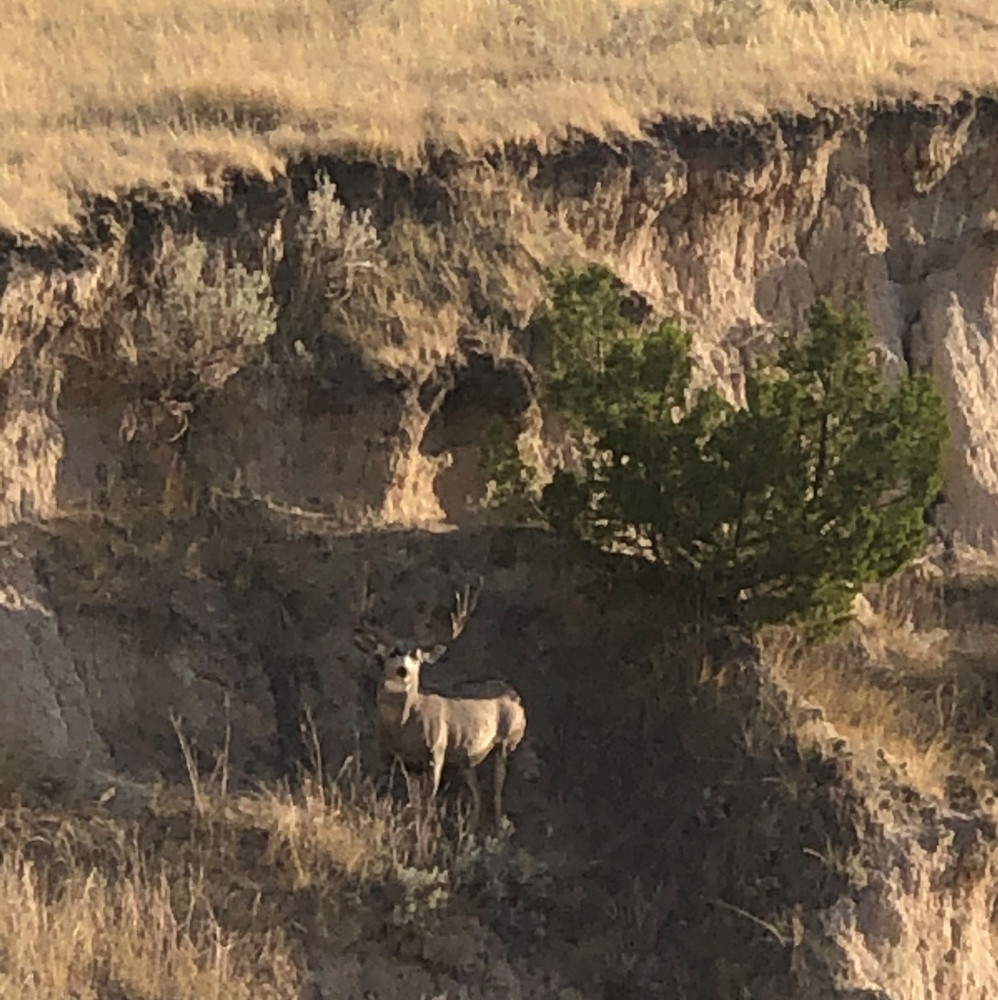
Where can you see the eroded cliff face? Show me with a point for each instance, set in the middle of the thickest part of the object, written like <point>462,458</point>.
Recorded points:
<point>734,229</point>
<point>897,210</point>
<point>198,551</point>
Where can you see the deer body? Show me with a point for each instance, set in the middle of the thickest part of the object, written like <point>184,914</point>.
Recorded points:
<point>427,731</point>
<point>460,731</point>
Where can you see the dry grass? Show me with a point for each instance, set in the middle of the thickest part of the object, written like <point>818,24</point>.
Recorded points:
<point>201,897</point>
<point>109,94</point>
<point>344,829</point>
<point>73,925</point>
<point>323,831</point>
<point>874,715</point>
<point>912,679</point>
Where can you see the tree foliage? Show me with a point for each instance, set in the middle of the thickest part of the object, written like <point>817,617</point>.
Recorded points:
<point>782,508</point>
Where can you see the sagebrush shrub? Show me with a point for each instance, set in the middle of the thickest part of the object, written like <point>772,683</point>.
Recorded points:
<point>511,886</point>
<point>335,244</point>
<point>207,317</point>
<point>332,249</point>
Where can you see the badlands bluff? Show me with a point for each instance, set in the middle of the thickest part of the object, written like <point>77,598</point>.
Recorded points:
<point>233,426</point>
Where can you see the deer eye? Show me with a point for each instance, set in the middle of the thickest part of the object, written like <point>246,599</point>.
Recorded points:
<point>400,672</point>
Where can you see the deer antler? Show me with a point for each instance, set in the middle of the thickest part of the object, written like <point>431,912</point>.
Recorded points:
<point>369,636</point>
<point>465,603</point>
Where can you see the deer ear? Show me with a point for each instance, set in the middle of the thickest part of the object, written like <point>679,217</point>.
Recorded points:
<point>367,643</point>
<point>432,654</point>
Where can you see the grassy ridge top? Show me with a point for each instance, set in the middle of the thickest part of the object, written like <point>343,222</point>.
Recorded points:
<point>106,94</point>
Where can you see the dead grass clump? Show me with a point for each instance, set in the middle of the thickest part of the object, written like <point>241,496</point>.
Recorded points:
<point>192,897</point>
<point>325,832</point>
<point>391,297</point>
<point>318,830</point>
<point>876,712</point>
<point>887,684</point>
<point>344,828</point>
<point>68,929</point>
<point>406,311</point>
<point>905,619</point>
<point>912,678</point>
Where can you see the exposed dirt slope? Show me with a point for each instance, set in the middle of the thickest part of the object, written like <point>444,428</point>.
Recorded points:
<point>685,823</point>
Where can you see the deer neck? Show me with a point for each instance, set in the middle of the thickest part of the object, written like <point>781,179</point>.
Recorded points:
<point>397,706</point>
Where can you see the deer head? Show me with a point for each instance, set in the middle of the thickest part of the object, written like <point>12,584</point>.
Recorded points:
<point>400,665</point>
<point>401,661</point>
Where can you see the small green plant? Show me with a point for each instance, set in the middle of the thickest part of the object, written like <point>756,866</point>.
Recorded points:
<point>423,891</point>
<point>779,510</point>
<point>511,886</point>
<point>511,479</point>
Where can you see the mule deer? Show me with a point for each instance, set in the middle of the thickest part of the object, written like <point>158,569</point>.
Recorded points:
<point>426,731</point>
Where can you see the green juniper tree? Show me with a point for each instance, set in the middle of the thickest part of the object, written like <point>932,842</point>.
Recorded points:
<point>780,509</point>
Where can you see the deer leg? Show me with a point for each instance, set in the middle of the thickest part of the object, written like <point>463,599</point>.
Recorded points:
<point>476,796</point>
<point>500,780</point>
<point>413,791</point>
<point>438,770</point>
<point>390,766</point>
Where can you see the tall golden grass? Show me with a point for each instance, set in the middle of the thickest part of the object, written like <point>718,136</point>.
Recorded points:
<point>199,898</point>
<point>83,915</point>
<point>108,94</point>
<point>912,678</point>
